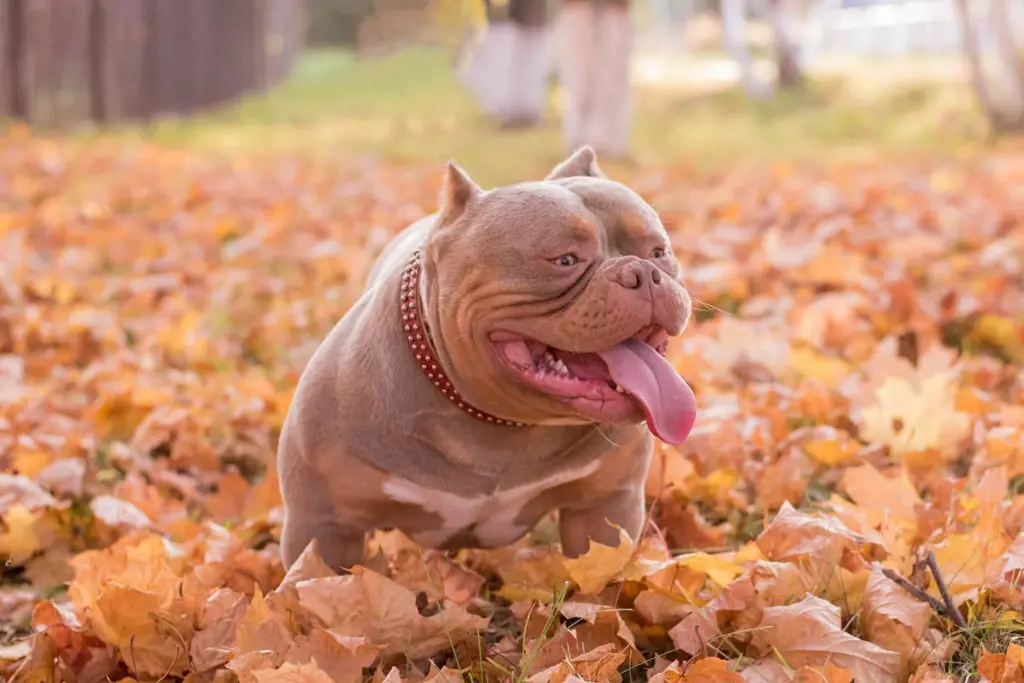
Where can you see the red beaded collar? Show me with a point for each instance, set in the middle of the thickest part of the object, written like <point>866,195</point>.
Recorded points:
<point>418,335</point>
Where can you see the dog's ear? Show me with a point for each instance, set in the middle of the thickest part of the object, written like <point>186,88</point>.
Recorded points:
<point>457,190</point>
<point>583,162</point>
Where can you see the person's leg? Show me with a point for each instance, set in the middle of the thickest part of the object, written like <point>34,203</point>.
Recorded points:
<point>578,57</point>
<point>614,101</point>
<point>531,78</point>
<point>531,58</point>
<point>486,73</point>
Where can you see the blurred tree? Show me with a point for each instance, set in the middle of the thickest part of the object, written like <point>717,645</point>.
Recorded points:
<point>782,15</point>
<point>1004,107</point>
<point>1009,50</point>
<point>734,35</point>
<point>336,22</point>
<point>787,48</point>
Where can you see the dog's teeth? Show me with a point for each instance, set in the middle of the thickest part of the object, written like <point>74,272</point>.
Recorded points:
<point>560,367</point>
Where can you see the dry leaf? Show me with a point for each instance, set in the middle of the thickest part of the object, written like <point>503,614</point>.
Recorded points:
<point>704,670</point>
<point>830,673</point>
<point>809,633</point>
<point>817,543</point>
<point>39,667</point>
<point>895,620</point>
<point>930,673</point>
<point>293,673</point>
<point>369,605</point>
<point>600,564</point>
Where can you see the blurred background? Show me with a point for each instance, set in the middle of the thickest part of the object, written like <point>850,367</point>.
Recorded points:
<point>509,86</point>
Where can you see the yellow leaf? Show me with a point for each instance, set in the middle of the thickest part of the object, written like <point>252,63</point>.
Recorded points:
<point>31,463</point>
<point>912,420</point>
<point>669,470</point>
<point>18,539</point>
<point>719,570</point>
<point>1009,617</point>
<point>826,369</point>
<point>963,560</point>
<point>720,481</point>
<point>1000,332</point>
<point>600,564</point>
<point>749,552</point>
<point>829,453</point>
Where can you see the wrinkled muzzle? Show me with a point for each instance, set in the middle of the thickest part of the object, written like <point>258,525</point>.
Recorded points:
<point>615,335</point>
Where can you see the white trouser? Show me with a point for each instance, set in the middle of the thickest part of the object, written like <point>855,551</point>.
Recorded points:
<point>508,73</point>
<point>596,46</point>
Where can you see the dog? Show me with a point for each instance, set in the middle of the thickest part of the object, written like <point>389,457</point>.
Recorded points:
<point>505,360</point>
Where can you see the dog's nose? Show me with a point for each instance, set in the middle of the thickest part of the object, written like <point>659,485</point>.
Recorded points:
<point>639,273</point>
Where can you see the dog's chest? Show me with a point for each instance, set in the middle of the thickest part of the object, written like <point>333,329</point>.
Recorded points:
<point>492,520</point>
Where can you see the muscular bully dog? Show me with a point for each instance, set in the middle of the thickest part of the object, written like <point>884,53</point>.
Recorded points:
<point>505,360</point>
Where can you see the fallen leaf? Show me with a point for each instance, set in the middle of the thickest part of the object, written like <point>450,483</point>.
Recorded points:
<point>991,666</point>
<point>817,542</point>
<point>341,657</point>
<point>21,492</point>
<point>931,673</point>
<point>704,670</point>
<point>809,633</point>
<point>119,514</point>
<point>217,629</point>
<point>129,596</point>
<point>39,666</point>
<point>600,564</point>
<point>293,673</point>
<point>895,620</point>
<point>369,605</point>
<point>599,664</point>
<point>894,497</point>
<point>829,673</point>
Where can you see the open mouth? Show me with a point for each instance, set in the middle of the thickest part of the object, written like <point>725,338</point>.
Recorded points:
<point>609,384</point>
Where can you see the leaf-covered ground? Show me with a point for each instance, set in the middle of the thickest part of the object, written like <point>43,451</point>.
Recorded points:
<point>857,361</point>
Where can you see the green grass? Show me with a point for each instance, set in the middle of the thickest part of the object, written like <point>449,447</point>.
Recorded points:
<point>983,636</point>
<point>409,107</point>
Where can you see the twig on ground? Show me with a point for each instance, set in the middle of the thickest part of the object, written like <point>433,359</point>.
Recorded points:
<point>951,609</point>
<point>945,607</point>
<point>918,593</point>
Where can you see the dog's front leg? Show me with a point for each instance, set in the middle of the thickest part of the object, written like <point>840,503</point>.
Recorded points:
<point>312,513</point>
<point>340,548</point>
<point>578,526</point>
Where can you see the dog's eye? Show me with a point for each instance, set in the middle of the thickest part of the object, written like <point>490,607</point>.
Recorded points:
<point>567,260</point>
<point>658,252</point>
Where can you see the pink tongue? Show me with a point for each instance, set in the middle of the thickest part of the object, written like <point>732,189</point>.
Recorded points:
<point>667,400</point>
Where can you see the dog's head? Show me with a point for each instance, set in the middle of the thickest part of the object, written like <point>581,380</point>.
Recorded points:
<point>555,300</point>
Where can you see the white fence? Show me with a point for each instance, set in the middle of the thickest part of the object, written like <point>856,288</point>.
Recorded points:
<point>884,28</point>
<point>862,27</point>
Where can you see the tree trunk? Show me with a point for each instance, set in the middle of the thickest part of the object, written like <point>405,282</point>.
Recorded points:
<point>976,69</point>
<point>1010,57</point>
<point>787,49</point>
<point>734,35</point>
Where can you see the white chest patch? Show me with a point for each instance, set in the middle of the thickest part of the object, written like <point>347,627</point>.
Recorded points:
<point>491,518</point>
